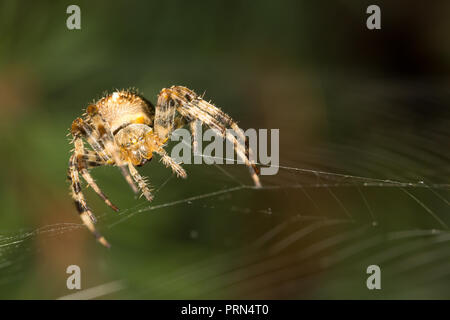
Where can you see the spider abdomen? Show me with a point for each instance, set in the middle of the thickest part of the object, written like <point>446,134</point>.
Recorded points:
<point>122,108</point>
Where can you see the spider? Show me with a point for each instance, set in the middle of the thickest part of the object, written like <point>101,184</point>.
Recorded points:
<point>124,130</point>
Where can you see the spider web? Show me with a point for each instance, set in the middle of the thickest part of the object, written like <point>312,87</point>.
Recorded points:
<point>310,231</point>
<point>277,261</point>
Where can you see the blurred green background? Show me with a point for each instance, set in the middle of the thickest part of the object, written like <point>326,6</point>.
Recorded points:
<point>347,100</point>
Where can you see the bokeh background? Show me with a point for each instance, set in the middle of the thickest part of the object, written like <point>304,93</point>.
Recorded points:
<point>347,100</point>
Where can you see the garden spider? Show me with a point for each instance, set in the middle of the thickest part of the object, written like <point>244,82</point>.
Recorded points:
<point>124,129</point>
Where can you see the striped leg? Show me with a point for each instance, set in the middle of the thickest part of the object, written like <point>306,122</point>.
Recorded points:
<point>90,158</point>
<point>82,128</point>
<point>107,140</point>
<point>218,118</point>
<point>91,182</point>
<point>141,182</point>
<point>193,107</point>
<point>170,162</point>
<point>83,166</point>
<point>193,128</point>
<point>80,203</point>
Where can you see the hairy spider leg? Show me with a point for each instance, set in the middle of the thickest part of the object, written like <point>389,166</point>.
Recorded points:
<point>85,213</point>
<point>86,160</point>
<point>146,191</point>
<point>193,107</point>
<point>170,162</point>
<point>89,158</point>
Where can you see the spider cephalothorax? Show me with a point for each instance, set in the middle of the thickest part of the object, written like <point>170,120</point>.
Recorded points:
<point>124,129</point>
<point>137,143</point>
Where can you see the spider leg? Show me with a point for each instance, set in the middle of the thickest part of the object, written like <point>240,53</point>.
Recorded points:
<point>166,159</point>
<point>83,166</point>
<point>170,162</point>
<point>91,159</point>
<point>81,127</point>
<point>141,182</point>
<point>193,107</point>
<point>107,140</point>
<point>77,194</point>
<point>88,159</point>
<point>222,121</point>
<point>85,213</point>
<point>91,182</point>
<point>193,128</point>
